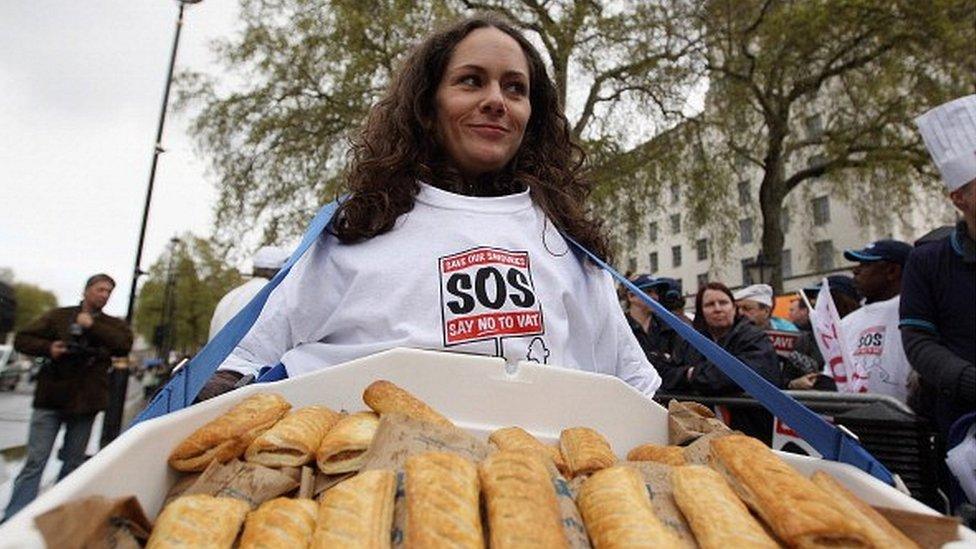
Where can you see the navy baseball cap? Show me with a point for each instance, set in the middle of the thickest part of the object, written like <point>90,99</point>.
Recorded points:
<point>838,283</point>
<point>648,282</point>
<point>894,251</point>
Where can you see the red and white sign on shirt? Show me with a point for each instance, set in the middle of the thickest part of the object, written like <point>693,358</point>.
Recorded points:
<point>487,293</point>
<point>826,327</point>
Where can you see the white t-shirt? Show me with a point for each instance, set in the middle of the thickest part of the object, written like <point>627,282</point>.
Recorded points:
<point>873,342</point>
<point>233,302</point>
<point>489,276</point>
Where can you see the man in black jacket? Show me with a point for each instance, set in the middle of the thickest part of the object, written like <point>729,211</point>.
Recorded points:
<point>72,387</point>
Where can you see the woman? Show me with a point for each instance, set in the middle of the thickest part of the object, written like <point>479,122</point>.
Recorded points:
<point>459,186</point>
<point>717,319</point>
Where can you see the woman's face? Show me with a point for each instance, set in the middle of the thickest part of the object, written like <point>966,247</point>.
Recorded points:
<point>482,102</point>
<point>718,309</point>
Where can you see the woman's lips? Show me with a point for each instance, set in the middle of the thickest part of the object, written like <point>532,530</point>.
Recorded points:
<point>489,131</point>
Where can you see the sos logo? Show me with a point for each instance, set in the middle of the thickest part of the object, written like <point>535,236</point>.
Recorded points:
<point>487,293</point>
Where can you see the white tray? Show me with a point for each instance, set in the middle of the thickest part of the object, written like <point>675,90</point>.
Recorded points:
<point>478,393</point>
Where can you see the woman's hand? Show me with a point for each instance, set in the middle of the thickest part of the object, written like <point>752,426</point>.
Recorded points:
<point>803,383</point>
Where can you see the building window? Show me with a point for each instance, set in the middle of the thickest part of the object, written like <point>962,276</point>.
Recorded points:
<point>745,193</point>
<point>653,262</point>
<point>825,255</point>
<point>675,193</point>
<point>676,256</point>
<point>632,235</point>
<point>701,247</point>
<point>632,264</point>
<point>786,263</point>
<point>746,279</point>
<point>745,231</point>
<point>676,224</point>
<point>702,280</point>
<point>784,220</point>
<point>821,210</point>
<point>814,126</point>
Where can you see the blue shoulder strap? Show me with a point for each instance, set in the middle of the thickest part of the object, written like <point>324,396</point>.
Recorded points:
<point>187,382</point>
<point>830,441</point>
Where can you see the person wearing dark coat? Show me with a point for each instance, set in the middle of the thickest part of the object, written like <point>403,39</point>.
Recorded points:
<point>716,318</point>
<point>72,387</point>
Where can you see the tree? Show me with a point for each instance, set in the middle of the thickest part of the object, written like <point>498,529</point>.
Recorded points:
<point>201,277</point>
<point>808,89</point>
<point>310,69</point>
<point>32,302</point>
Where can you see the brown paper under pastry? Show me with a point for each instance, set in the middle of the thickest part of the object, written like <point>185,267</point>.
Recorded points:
<point>668,455</point>
<point>929,531</point>
<point>797,510</point>
<point>585,450</point>
<point>227,436</point>
<point>699,452</point>
<point>281,523</point>
<point>716,515</point>
<point>879,531</point>
<point>618,513</point>
<point>198,521</point>
<point>249,482</point>
<point>443,506</point>
<point>292,442</point>
<point>95,523</point>
<point>520,501</point>
<point>399,437</point>
<point>344,447</point>
<point>383,397</point>
<point>357,513</point>
<point>689,420</point>
<point>657,480</point>
<point>519,440</point>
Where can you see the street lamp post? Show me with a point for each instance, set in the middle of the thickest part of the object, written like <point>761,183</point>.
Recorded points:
<point>119,379</point>
<point>759,270</point>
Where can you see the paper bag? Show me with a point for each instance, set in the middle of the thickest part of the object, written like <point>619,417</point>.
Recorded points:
<point>657,477</point>
<point>249,482</point>
<point>95,523</point>
<point>690,420</point>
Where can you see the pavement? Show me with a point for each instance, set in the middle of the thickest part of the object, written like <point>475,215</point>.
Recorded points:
<point>15,412</point>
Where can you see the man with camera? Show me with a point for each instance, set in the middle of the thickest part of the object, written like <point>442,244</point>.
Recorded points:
<point>72,387</point>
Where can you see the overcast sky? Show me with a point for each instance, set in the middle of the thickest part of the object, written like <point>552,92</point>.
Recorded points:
<point>81,84</point>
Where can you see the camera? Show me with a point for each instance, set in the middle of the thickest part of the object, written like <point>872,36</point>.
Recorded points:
<point>77,342</point>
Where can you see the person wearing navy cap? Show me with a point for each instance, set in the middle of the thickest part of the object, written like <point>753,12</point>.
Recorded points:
<point>870,334</point>
<point>658,340</point>
<point>842,290</point>
<point>938,316</point>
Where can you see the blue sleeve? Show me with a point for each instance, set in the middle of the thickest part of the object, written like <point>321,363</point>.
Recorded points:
<point>918,307</point>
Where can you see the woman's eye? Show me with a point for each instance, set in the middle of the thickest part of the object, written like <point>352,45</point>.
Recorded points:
<point>470,80</point>
<point>517,88</point>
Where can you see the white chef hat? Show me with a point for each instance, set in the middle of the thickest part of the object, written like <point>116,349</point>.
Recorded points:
<point>270,257</point>
<point>949,132</point>
<point>761,293</point>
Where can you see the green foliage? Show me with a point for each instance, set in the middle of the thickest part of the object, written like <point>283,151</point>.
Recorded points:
<point>32,302</point>
<point>201,278</point>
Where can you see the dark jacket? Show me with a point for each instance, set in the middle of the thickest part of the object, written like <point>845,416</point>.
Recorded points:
<point>749,344</point>
<point>77,382</point>
<point>661,344</point>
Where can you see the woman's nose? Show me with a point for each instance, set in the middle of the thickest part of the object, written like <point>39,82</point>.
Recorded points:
<point>494,101</point>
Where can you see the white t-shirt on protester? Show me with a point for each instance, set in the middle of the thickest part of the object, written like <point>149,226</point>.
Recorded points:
<point>489,276</point>
<point>233,302</point>
<point>873,341</point>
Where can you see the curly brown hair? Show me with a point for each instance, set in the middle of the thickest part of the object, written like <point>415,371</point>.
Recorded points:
<point>397,147</point>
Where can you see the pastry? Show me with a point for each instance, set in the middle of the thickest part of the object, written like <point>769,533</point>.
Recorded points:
<point>715,514</point>
<point>198,521</point>
<point>517,439</point>
<point>357,513</point>
<point>797,510</point>
<point>343,448</point>
<point>442,502</point>
<point>384,397</point>
<point>521,502</point>
<point>227,436</point>
<point>292,442</point>
<point>879,531</point>
<point>668,455</point>
<point>617,511</point>
<point>280,523</point>
<point>585,451</point>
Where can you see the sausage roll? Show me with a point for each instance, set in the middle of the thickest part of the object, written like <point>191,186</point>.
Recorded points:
<point>617,511</point>
<point>517,439</point>
<point>292,442</point>
<point>798,511</point>
<point>198,521</point>
<point>357,513</point>
<point>280,523</point>
<point>716,515</point>
<point>879,531</point>
<point>384,397</point>
<point>343,448</point>
<point>668,455</point>
<point>442,502</point>
<point>227,436</point>
<point>521,502</point>
<point>585,450</point>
